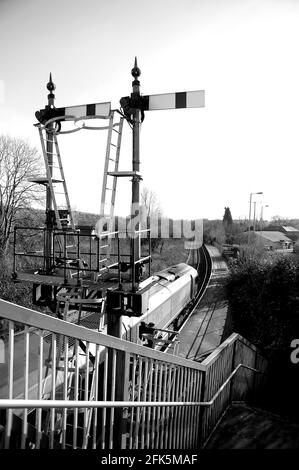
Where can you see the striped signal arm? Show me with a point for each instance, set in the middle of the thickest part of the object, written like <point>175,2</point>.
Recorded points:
<point>184,99</point>
<point>73,113</point>
<point>179,100</point>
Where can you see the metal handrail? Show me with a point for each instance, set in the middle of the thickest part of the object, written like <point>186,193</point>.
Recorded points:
<point>42,321</point>
<point>16,403</point>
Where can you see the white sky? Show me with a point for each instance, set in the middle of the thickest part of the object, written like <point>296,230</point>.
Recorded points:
<point>243,53</point>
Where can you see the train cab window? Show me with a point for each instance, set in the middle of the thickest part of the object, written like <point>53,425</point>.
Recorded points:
<point>191,285</point>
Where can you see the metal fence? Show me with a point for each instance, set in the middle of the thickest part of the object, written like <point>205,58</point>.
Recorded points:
<point>70,387</point>
<point>235,371</point>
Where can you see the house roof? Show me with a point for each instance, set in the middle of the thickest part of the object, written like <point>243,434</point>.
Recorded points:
<point>288,228</point>
<point>273,236</point>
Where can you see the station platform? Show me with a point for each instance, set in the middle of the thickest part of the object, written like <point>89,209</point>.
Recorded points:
<point>203,331</point>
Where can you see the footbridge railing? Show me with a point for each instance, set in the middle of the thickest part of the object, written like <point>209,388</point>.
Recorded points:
<point>65,386</point>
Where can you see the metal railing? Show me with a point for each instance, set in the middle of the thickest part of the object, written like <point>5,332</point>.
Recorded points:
<point>222,363</point>
<point>73,254</point>
<point>121,371</point>
<point>90,390</point>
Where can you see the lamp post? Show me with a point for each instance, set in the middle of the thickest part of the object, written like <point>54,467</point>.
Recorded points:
<point>254,212</point>
<point>250,199</point>
<point>262,213</point>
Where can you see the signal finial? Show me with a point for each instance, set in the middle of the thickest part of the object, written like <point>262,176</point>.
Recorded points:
<point>136,72</point>
<point>51,87</point>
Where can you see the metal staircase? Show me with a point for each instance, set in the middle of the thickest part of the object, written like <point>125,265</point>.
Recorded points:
<point>72,301</point>
<point>142,398</point>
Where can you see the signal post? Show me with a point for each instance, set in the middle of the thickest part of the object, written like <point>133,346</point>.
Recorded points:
<point>49,202</point>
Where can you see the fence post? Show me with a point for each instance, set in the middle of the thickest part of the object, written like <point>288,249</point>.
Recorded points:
<point>202,411</point>
<point>232,369</point>
<point>118,388</point>
<point>121,394</point>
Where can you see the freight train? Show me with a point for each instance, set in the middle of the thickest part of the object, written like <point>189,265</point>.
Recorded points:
<point>167,294</point>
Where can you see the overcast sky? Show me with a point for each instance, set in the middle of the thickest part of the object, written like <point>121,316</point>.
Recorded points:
<point>243,53</point>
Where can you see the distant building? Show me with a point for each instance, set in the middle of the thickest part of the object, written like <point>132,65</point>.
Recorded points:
<point>290,232</point>
<point>271,240</point>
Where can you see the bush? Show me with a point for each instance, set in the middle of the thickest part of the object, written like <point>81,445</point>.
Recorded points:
<point>20,294</point>
<point>263,297</point>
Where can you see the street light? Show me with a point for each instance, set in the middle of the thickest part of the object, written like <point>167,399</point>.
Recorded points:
<point>254,211</point>
<point>262,213</point>
<point>251,194</point>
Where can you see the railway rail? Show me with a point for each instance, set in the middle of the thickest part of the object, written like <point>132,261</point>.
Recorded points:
<point>195,347</point>
<point>202,329</point>
<point>204,269</point>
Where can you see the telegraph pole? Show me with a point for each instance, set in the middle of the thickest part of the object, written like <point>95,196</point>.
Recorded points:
<point>49,202</point>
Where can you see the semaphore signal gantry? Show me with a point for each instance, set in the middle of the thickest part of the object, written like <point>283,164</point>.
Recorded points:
<point>66,272</point>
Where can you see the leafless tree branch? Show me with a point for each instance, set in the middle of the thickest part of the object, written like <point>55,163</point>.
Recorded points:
<point>18,163</point>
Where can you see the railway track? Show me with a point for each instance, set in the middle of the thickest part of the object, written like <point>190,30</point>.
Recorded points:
<point>197,339</point>
<point>204,272</point>
<point>195,347</point>
<point>204,269</point>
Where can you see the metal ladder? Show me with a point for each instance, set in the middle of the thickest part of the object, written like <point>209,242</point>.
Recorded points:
<point>105,224</point>
<point>55,176</point>
<point>78,297</point>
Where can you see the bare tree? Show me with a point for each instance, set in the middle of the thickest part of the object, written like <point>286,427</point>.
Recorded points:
<point>18,163</point>
<point>150,202</point>
<point>151,213</point>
